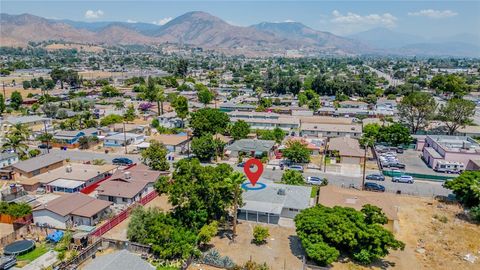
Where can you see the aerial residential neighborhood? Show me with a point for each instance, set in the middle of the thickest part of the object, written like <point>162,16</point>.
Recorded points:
<point>266,135</point>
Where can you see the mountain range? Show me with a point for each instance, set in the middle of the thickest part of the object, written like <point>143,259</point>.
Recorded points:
<point>205,30</point>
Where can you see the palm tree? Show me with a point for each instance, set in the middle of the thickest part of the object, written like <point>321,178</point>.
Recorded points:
<point>234,181</point>
<point>16,143</point>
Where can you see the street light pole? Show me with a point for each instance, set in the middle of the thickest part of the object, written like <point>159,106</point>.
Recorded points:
<point>124,137</point>
<point>46,135</point>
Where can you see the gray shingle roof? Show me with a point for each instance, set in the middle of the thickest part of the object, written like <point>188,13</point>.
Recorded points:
<point>249,145</point>
<point>269,199</point>
<point>37,162</point>
<point>4,156</point>
<point>121,260</point>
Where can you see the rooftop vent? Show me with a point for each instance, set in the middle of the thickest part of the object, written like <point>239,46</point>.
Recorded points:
<point>68,168</point>
<point>128,175</point>
<point>281,192</point>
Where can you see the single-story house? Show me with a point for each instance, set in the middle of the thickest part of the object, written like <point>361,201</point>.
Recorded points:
<point>7,159</point>
<point>71,210</point>
<point>128,186</point>
<point>175,143</point>
<point>251,147</point>
<point>69,139</point>
<point>273,202</point>
<point>170,120</point>
<point>330,130</point>
<point>37,165</point>
<point>120,139</point>
<point>348,150</point>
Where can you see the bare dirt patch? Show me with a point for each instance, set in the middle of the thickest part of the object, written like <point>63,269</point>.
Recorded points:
<point>280,252</point>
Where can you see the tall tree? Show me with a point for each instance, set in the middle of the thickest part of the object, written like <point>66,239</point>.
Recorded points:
<point>16,100</point>
<point>205,96</point>
<point>457,113</point>
<point>297,152</point>
<point>239,130</point>
<point>466,188</point>
<point>181,107</point>
<point>416,109</point>
<point>234,181</point>
<point>208,120</point>
<point>155,156</point>
<point>2,104</point>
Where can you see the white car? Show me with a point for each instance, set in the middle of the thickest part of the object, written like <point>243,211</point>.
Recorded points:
<point>314,180</point>
<point>403,179</point>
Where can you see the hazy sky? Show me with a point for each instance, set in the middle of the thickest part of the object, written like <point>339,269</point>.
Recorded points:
<point>427,18</point>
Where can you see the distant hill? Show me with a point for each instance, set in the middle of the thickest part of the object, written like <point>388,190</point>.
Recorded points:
<point>205,30</point>
<point>309,36</point>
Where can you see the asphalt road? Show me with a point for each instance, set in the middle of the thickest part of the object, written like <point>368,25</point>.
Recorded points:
<point>419,188</point>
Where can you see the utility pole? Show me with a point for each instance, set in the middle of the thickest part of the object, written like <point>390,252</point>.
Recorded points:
<point>4,94</point>
<point>367,144</point>
<point>124,137</point>
<point>46,136</point>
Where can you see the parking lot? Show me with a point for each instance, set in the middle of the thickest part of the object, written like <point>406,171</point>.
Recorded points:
<point>414,164</point>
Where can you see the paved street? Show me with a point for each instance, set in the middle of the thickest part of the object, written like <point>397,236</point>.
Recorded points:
<point>82,155</point>
<point>419,188</point>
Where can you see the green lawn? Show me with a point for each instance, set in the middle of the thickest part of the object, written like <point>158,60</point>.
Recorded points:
<point>32,255</point>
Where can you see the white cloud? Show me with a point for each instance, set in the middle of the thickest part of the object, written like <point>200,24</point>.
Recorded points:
<point>353,19</point>
<point>162,21</point>
<point>131,21</point>
<point>92,14</point>
<point>289,20</point>
<point>434,14</point>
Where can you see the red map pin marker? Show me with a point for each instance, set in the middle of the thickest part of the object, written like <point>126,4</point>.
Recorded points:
<point>253,176</point>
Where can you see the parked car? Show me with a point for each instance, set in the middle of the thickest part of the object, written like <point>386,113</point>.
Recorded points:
<point>403,179</point>
<point>44,146</point>
<point>241,164</point>
<point>397,165</point>
<point>122,161</point>
<point>400,150</point>
<point>375,176</point>
<point>374,187</point>
<point>314,180</point>
<point>296,168</point>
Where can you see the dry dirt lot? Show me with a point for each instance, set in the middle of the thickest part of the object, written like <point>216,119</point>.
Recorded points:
<point>280,252</point>
<point>444,243</point>
<point>119,232</point>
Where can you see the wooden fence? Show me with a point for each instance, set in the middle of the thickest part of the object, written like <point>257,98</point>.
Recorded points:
<point>122,216</point>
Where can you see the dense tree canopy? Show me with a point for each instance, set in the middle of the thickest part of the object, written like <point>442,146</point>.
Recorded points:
<point>395,134</point>
<point>154,156</point>
<point>327,232</point>
<point>466,188</point>
<point>208,120</point>
<point>199,194</point>
<point>239,130</point>
<point>449,84</point>
<point>297,152</point>
<point>457,113</point>
<point>291,177</point>
<point>416,109</point>
<point>206,147</point>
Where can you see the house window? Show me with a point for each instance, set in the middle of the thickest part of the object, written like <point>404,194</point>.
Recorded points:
<point>110,198</point>
<point>94,216</point>
<point>124,199</point>
<point>36,172</point>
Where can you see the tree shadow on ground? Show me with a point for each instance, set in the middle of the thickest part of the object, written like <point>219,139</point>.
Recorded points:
<point>296,246</point>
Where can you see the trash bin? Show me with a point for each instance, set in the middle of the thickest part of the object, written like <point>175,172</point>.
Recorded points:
<point>399,192</point>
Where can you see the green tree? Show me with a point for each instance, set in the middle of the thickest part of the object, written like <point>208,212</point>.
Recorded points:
<point>394,134</point>
<point>450,84</point>
<point>111,119</point>
<point>26,85</point>
<point>130,114</point>
<point>416,109</point>
<point>206,147</point>
<point>15,140</point>
<point>181,68</point>
<point>314,104</point>
<point>302,99</point>
<point>199,194</point>
<point>239,130</point>
<point>154,156</point>
<point>291,177</point>
<point>207,232</point>
<point>457,113</point>
<point>2,104</point>
<point>234,181</point>
<point>205,96</point>
<point>181,107</point>
<point>260,234</point>
<point>110,91</point>
<point>374,214</point>
<point>466,188</point>
<point>16,100</point>
<point>325,232</point>
<point>297,152</point>
<point>168,237</point>
<point>208,120</point>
